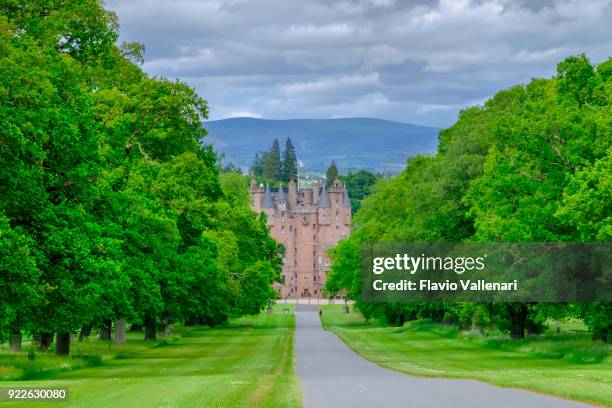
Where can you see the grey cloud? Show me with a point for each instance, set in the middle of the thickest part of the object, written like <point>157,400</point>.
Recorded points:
<point>412,61</point>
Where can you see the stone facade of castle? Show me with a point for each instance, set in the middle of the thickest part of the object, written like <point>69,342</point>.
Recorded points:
<point>307,221</point>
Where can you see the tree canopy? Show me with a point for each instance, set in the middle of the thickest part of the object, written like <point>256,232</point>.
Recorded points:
<point>110,206</point>
<point>532,164</point>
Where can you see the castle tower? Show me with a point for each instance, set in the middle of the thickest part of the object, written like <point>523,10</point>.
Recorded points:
<point>308,222</point>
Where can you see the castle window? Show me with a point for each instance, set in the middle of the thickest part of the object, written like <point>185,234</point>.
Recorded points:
<point>337,203</point>
<point>284,260</point>
<point>320,259</point>
<point>282,229</point>
<point>314,226</point>
<point>337,229</point>
<point>291,228</point>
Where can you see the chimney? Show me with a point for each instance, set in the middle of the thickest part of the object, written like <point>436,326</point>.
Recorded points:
<point>306,196</point>
<point>315,192</point>
<point>292,195</point>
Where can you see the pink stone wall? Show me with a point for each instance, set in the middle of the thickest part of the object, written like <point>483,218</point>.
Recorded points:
<point>307,232</point>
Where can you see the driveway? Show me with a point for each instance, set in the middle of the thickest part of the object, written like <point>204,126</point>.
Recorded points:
<point>333,376</point>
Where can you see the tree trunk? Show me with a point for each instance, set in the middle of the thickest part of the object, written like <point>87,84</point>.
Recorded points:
<point>45,341</point>
<point>15,341</point>
<point>85,332</point>
<point>164,327</point>
<point>106,330</point>
<point>62,344</point>
<point>150,328</point>
<point>120,327</point>
<point>518,315</point>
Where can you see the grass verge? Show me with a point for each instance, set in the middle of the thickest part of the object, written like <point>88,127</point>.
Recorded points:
<point>248,363</point>
<point>566,365</point>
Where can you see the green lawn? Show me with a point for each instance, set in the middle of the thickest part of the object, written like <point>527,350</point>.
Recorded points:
<point>249,363</point>
<point>566,365</point>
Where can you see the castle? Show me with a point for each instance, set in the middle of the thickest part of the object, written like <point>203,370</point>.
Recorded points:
<point>307,221</point>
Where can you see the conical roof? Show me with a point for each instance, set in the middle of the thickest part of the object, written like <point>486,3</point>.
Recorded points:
<point>346,201</point>
<point>281,193</point>
<point>324,199</point>
<point>266,201</point>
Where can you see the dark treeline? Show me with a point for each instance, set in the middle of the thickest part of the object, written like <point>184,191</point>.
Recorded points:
<point>111,210</point>
<point>531,165</point>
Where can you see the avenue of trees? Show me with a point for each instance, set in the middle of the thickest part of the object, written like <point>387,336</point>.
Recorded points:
<point>112,211</point>
<point>533,164</point>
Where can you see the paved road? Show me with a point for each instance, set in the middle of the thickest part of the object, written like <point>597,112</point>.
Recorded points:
<point>333,376</point>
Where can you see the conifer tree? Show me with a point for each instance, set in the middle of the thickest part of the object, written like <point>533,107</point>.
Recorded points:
<point>331,174</point>
<point>272,162</point>
<point>257,168</point>
<point>290,165</point>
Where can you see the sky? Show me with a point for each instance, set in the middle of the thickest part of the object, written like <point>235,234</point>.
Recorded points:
<point>418,61</point>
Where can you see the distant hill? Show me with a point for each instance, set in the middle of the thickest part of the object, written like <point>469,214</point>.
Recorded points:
<point>353,143</point>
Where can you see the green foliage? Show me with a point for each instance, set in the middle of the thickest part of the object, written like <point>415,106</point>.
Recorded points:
<point>531,165</point>
<point>257,168</point>
<point>290,163</point>
<point>272,169</point>
<point>331,174</point>
<point>359,185</point>
<point>110,205</point>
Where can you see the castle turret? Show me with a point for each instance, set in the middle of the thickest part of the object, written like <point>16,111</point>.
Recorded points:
<point>346,201</point>
<point>267,201</point>
<point>324,199</point>
<point>281,194</point>
<point>256,195</point>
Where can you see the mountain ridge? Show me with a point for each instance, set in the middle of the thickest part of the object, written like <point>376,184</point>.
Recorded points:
<point>356,142</point>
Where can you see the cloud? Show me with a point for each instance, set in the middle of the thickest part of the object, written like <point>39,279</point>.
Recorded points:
<point>411,61</point>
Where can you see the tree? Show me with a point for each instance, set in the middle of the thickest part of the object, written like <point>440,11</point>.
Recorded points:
<point>272,162</point>
<point>257,168</point>
<point>19,291</point>
<point>331,174</point>
<point>531,165</point>
<point>359,185</point>
<point>111,207</point>
<point>290,164</point>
